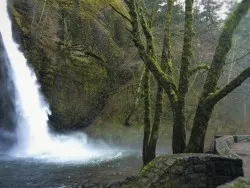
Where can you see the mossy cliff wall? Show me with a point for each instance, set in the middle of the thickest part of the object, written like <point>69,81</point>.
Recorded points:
<point>54,34</point>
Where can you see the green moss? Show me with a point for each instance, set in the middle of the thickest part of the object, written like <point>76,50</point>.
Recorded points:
<point>89,8</point>
<point>147,168</point>
<point>77,87</point>
<point>18,19</point>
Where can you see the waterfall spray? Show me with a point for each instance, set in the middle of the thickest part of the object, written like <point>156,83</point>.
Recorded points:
<point>33,136</point>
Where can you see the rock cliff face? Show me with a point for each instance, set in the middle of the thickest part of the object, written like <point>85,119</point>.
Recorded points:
<point>55,37</point>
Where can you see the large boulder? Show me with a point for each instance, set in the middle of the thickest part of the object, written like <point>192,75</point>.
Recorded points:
<point>55,36</point>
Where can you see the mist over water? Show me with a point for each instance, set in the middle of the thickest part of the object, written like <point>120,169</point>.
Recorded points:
<point>32,110</point>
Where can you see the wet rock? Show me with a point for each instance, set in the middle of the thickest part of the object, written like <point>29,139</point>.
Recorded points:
<point>239,182</point>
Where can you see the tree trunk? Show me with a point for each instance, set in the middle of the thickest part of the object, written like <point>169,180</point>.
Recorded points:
<point>200,125</point>
<point>166,65</point>
<point>147,117</point>
<point>211,95</point>
<point>179,132</point>
<point>156,124</point>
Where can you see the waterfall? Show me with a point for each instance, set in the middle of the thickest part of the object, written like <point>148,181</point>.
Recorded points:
<point>32,132</point>
<point>32,111</point>
<point>7,108</point>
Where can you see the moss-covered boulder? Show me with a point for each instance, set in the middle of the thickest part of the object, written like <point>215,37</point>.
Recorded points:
<point>55,36</point>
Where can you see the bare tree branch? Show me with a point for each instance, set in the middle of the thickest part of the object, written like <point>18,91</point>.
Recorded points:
<point>248,53</point>
<point>217,96</point>
<point>151,62</point>
<point>139,95</point>
<point>198,68</point>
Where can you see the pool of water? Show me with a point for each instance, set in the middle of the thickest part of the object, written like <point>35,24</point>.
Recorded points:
<point>30,172</point>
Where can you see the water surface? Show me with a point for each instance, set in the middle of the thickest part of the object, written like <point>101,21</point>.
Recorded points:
<point>28,172</point>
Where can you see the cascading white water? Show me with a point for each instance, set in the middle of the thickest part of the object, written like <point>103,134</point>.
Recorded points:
<point>31,109</point>
<point>33,135</point>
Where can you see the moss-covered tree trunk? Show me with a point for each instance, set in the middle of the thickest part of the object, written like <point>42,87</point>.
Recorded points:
<point>156,124</point>
<point>177,95</point>
<point>166,65</point>
<point>179,133</point>
<point>211,95</point>
<point>201,120</point>
<point>147,117</point>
